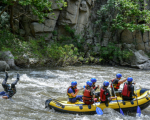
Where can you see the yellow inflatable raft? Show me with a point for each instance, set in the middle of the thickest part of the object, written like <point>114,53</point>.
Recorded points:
<point>143,97</point>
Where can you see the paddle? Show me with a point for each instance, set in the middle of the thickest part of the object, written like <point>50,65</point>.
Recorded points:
<point>98,110</point>
<point>138,108</point>
<point>117,101</point>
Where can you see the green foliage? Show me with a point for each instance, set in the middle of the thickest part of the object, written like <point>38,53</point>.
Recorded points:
<point>112,51</point>
<point>124,14</point>
<point>37,48</point>
<point>72,38</point>
<point>9,42</point>
<point>37,6</point>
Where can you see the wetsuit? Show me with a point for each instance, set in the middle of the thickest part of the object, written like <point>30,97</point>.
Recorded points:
<point>104,95</point>
<point>128,91</point>
<point>9,91</point>
<point>71,98</point>
<point>116,87</point>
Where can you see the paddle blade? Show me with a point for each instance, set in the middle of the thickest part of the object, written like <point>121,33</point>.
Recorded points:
<point>138,111</point>
<point>99,111</point>
<point>121,111</point>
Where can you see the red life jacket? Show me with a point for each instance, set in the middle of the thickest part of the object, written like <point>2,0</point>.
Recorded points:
<point>125,91</point>
<point>116,86</point>
<point>74,91</point>
<point>102,94</point>
<point>87,98</point>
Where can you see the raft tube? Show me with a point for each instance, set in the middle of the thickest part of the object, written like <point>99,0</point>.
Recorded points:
<point>143,97</point>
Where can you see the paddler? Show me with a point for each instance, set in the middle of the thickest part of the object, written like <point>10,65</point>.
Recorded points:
<point>116,83</point>
<point>72,92</point>
<point>88,94</point>
<point>128,90</point>
<point>105,96</point>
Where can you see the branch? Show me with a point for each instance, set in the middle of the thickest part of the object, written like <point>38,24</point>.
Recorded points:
<point>4,10</point>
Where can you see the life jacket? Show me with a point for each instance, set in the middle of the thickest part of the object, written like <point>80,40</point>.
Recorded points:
<point>116,86</point>
<point>125,91</point>
<point>87,98</point>
<point>102,94</point>
<point>74,91</point>
<point>93,86</point>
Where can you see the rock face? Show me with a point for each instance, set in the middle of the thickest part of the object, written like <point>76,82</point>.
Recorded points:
<point>4,66</point>
<point>80,15</point>
<point>140,60</point>
<point>7,60</point>
<point>76,15</point>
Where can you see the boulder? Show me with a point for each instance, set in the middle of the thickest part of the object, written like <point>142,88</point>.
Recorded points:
<point>8,57</point>
<point>140,60</point>
<point>4,66</point>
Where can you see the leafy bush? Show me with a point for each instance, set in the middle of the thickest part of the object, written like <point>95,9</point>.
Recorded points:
<point>112,51</point>
<point>37,48</point>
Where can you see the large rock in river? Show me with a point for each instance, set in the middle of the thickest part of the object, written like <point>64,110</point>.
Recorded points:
<point>4,66</point>
<point>8,58</point>
<point>140,60</point>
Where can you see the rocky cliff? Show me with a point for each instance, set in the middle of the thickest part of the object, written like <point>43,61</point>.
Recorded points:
<point>81,15</point>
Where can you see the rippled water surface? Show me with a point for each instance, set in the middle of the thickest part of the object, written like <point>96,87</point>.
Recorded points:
<point>37,85</point>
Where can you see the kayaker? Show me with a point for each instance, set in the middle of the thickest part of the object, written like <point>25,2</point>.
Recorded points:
<point>9,90</point>
<point>116,83</point>
<point>105,94</point>
<point>72,92</point>
<point>128,90</point>
<point>88,94</point>
<point>93,80</point>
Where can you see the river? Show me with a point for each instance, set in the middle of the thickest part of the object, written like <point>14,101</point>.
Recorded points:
<point>37,85</point>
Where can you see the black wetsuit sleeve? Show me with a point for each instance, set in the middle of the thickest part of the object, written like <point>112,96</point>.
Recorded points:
<point>95,88</point>
<point>14,83</point>
<point>4,83</point>
<point>107,93</point>
<point>131,88</point>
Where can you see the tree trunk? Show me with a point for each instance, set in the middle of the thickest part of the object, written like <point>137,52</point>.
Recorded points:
<point>11,18</point>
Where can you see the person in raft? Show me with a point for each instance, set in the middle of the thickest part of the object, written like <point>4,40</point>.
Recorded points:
<point>116,84</point>
<point>72,92</point>
<point>105,94</point>
<point>93,80</point>
<point>9,90</point>
<point>88,94</point>
<point>128,90</point>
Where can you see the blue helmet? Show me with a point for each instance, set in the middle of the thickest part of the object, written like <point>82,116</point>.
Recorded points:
<point>93,80</point>
<point>106,83</point>
<point>129,79</point>
<point>89,83</point>
<point>118,75</point>
<point>73,83</point>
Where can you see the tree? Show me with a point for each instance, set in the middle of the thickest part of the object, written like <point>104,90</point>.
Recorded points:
<point>124,14</point>
<point>39,7</point>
